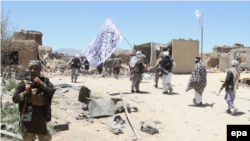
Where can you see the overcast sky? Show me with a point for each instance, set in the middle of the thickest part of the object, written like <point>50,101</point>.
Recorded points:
<point>66,24</point>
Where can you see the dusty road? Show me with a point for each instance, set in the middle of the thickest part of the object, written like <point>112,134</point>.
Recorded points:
<point>180,119</point>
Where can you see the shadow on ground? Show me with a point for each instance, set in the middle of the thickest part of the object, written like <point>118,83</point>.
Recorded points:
<point>173,93</point>
<point>203,105</point>
<point>239,113</point>
<point>142,92</point>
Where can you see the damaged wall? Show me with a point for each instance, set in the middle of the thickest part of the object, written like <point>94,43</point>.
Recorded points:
<point>234,53</point>
<point>42,50</point>
<point>27,50</point>
<point>29,35</point>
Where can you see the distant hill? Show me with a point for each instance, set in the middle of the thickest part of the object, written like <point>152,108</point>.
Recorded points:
<point>70,51</point>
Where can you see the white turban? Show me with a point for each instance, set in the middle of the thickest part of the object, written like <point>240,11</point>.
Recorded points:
<point>77,55</point>
<point>165,53</point>
<point>234,63</point>
<point>138,54</point>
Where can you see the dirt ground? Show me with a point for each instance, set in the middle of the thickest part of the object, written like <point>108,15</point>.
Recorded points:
<point>180,119</point>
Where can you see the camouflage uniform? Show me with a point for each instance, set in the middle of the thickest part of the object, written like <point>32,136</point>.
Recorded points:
<point>117,65</point>
<point>108,66</point>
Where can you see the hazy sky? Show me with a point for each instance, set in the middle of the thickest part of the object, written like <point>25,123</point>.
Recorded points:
<point>66,24</point>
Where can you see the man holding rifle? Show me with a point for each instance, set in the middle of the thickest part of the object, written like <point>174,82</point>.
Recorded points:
<point>34,95</point>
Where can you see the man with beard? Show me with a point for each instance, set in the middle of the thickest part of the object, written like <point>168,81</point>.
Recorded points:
<point>166,66</point>
<point>34,96</point>
<point>198,81</point>
<point>75,64</point>
<point>231,85</point>
<point>136,67</point>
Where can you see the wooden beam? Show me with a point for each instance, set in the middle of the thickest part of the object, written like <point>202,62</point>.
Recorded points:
<point>11,135</point>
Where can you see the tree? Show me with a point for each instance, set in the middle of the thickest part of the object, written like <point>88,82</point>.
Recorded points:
<point>8,57</point>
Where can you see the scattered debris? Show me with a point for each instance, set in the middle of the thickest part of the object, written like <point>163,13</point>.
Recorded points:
<point>157,122</point>
<point>119,120</point>
<point>60,127</point>
<point>63,107</point>
<point>77,105</point>
<point>148,129</point>
<point>101,107</point>
<point>91,120</point>
<point>131,124</point>
<point>9,127</point>
<point>109,123</point>
<point>116,131</point>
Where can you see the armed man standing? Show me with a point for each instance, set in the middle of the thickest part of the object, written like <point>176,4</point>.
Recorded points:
<point>117,65</point>
<point>34,96</point>
<point>75,64</point>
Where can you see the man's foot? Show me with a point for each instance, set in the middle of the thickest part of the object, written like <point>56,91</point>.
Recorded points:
<point>138,91</point>
<point>200,104</point>
<point>75,82</point>
<point>166,92</point>
<point>132,91</point>
<point>234,111</point>
<point>228,111</point>
<point>194,101</point>
<point>171,90</point>
<point>156,86</point>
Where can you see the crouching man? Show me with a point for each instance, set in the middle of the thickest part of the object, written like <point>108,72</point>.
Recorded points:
<point>34,95</point>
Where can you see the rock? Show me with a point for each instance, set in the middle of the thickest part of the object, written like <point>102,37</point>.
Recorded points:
<point>9,127</point>
<point>91,120</point>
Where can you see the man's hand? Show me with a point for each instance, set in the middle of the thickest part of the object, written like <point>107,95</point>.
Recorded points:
<point>38,81</point>
<point>72,63</point>
<point>27,89</point>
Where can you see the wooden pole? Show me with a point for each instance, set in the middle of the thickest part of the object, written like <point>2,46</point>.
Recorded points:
<point>132,126</point>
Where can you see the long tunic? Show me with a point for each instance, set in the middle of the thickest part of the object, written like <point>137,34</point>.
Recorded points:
<point>35,116</point>
<point>198,79</point>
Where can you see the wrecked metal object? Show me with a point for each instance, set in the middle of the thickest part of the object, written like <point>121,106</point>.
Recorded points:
<point>116,131</point>
<point>134,108</point>
<point>120,107</point>
<point>148,129</point>
<point>109,123</point>
<point>101,107</point>
<point>60,127</point>
<point>63,107</point>
<point>11,135</point>
<point>119,120</point>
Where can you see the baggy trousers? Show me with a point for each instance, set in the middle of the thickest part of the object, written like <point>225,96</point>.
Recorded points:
<point>229,97</point>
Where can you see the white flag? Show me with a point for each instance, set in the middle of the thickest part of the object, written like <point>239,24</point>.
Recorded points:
<point>199,17</point>
<point>104,44</point>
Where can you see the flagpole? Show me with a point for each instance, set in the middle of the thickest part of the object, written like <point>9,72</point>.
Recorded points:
<point>201,41</point>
